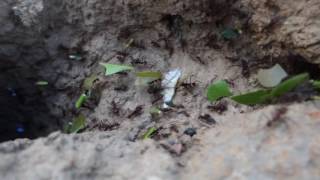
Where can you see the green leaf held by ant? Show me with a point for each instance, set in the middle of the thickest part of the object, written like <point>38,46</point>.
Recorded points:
<point>253,98</point>
<point>78,124</point>
<point>289,84</point>
<point>82,99</point>
<point>218,90</point>
<point>115,68</point>
<point>149,133</point>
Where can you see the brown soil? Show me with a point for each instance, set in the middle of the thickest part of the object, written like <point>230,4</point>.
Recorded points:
<point>39,36</point>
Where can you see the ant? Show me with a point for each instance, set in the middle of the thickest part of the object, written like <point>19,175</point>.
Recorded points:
<point>155,44</point>
<point>115,109</point>
<point>139,45</point>
<point>245,68</point>
<point>137,112</point>
<point>139,61</point>
<point>121,56</point>
<point>104,125</point>
<point>231,82</point>
<point>107,126</point>
<point>127,31</point>
<point>199,60</point>
<point>155,87</point>
<point>122,88</point>
<point>207,119</point>
<point>189,85</point>
<point>277,117</point>
<point>219,108</point>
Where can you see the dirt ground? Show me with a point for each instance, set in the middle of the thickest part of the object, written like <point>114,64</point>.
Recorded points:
<point>37,38</point>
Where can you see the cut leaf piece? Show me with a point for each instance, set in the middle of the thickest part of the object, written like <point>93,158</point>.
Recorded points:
<point>143,78</point>
<point>81,100</point>
<point>155,111</point>
<point>149,133</point>
<point>218,90</point>
<point>316,98</point>
<point>289,84</point>
<point>78,123</point>
<point>229,33</point>
<point>271,77</point>
<point>75,57</point>
<point>89,81</point>
<point>42,83</point>
<point>253,98</point>
<point>316,84</point>
<point>115,68</point>
<point>149,74</point>
<point>129,43</point>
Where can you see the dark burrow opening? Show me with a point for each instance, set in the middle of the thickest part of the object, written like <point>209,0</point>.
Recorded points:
<point>297,64</point>
<point>23,112</point>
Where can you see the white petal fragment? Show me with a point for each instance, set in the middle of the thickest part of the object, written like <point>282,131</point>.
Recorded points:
<point>169,83</point>
<point>271,77</point>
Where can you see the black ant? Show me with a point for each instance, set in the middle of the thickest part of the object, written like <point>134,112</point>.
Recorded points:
<point>127,31</point>
<point>207,119</point>
<point>137,112</point>
<point>245,68</point>
<point>219,108</point>
<point>189,85</point>
<point>115,109</point>
<point>155,44</point>
<point>108,127</point>
<point>139,45</point>
<point>104,125</point>
<point>231,82</point>
<point>122,88</point>
<point>277,117</point>
<point>155,87</point>
<point>198,59</point>
<point>121,56</point>
<point>139,61</point>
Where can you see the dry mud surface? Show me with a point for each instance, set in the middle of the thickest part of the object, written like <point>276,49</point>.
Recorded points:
<point>230,142</point>
<point>240,147</point>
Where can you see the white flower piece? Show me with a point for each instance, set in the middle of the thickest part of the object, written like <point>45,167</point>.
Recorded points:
<point>271,77</point>
<point>169,83</point>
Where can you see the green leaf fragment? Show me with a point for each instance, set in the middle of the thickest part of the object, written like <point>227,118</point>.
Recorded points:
<point>42,83</point>
<point>149,133</point>
<point>316,84</point>
<point>129,43</point>
<point>218,90</point>
<point>230,33</point>
<point>75,57</point>
<point>78,123</point>
<point>143,78</point>
<point>316,98</point>
<point>149,74</point>
<point>81,100</point>
<point>262,96</point>
<point>155,111</point>
<point>252,98</point>
<point>114,68</point>
<point>89,81</point>
<point>289,84</point>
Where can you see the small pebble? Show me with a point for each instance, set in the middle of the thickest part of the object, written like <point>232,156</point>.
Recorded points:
<point>190,131</point>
